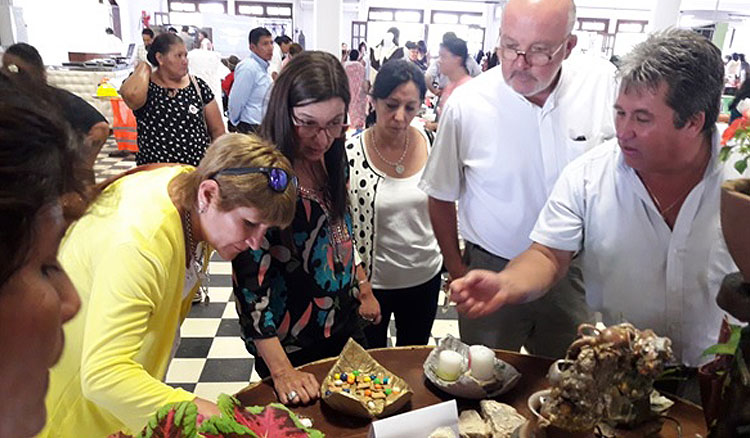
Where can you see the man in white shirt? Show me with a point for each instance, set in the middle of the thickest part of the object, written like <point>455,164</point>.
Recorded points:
<point>280,49</point>
<point>643,210</point>
<point>504,138</point>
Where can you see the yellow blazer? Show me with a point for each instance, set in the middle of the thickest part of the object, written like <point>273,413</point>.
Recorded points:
<point>126,258</point>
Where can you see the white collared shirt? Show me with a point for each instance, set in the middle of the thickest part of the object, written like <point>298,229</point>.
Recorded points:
<point>636,269</point>
<point>499,155</point>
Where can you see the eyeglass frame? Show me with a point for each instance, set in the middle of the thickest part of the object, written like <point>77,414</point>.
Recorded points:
<point>298,124</point>
<point>525,53</point>
<point>236,171</point>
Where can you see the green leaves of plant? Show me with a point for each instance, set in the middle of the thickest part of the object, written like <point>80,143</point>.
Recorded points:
<point>730,347</point>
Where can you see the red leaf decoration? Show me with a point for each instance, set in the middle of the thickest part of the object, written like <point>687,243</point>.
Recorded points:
<point>176,420</point>
<point>271,422</point>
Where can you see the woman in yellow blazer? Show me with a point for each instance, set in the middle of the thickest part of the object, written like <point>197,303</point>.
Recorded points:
<point>136,258</point>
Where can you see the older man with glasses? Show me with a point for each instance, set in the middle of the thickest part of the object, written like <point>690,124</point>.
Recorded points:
<point>504,139</point>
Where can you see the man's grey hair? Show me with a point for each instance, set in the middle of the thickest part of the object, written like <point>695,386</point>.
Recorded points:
<point>688,63</point>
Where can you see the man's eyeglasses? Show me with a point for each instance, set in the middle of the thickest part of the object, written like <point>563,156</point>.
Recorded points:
<point>310,130</point>
<point>533,58</point>
<point>278,179</point>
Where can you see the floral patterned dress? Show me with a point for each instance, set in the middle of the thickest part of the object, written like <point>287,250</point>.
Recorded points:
<point>300,285</point>
<point>355,72</point>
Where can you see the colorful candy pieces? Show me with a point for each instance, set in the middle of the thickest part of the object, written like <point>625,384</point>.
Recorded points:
<point>374,390</point>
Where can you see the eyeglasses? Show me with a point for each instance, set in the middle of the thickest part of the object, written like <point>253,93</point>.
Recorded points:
<point>533,58</point>
<point>278,179</point>
<point>310,130</point>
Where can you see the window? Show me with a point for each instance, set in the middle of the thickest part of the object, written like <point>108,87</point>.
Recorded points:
<point>249,10</point>
<point>457,17</point>
<point>631,26</point>
<point>398,15</point>
<point>409,16</point>
<point>359,33</point>
<point>471,19</point>
<point>181,7</point>
<point>268,10</point>
<point>444,18</point>
<point>215,6</point>
<point>593,25</point>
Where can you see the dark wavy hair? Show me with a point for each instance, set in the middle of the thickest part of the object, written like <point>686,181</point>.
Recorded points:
<point>691,67</point>
<point>310,77</point>
<point>38,165</point>
<point>391,75</point>
<point>162,44</point>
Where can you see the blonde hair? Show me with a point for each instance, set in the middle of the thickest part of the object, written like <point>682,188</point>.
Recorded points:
<point>247,190</point>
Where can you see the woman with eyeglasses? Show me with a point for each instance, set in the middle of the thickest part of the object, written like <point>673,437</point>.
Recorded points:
<point>137,257</point>
<point>301,296</point>
<point>391,221</point>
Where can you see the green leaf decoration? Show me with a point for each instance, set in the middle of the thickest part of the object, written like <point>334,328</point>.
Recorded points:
<point>175,420</point>
<point>226,404</point>
<point>225,427</point>
<point>730,347</point>
<point>274,421</point>
<point>179,420</point>
<point>741,165</point>
<point>724,153</point>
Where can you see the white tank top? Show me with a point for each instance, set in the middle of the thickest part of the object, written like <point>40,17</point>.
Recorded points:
<point>406,252</point>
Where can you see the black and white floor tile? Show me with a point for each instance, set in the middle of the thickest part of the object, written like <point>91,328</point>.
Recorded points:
<point>212,358</point>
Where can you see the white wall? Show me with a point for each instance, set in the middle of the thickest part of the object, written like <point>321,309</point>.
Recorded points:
<point>303,20</point>
<point>58,27</point>
<point>351,13</point>
<point>327,23</point>
<point>741,41</point>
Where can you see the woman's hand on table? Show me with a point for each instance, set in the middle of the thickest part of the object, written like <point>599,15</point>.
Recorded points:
<point>303,387</point>
<point>369,307</point>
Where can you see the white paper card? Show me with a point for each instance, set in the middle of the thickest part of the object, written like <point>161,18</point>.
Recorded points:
<point>418,423</point>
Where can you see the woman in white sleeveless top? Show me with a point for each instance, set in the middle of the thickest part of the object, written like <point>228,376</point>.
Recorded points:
<point>392,228</point>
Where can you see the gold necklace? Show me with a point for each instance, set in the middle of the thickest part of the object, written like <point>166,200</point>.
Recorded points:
<point>664,211</point>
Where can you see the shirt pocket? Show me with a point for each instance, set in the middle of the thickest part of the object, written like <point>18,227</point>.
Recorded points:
<point>576,144</point>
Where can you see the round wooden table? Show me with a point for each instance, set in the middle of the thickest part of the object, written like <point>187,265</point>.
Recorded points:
<point>406,362</point>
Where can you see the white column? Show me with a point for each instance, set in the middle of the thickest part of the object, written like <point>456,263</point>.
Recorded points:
<point>327,16</point>
<point>666,13</point>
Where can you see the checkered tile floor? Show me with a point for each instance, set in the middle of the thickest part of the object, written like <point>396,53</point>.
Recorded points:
<point>212,358</point>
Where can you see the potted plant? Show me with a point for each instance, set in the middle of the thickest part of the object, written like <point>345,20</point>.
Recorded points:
<point>725,382</point>
<point>712,375</point>
<point>735,194</point>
